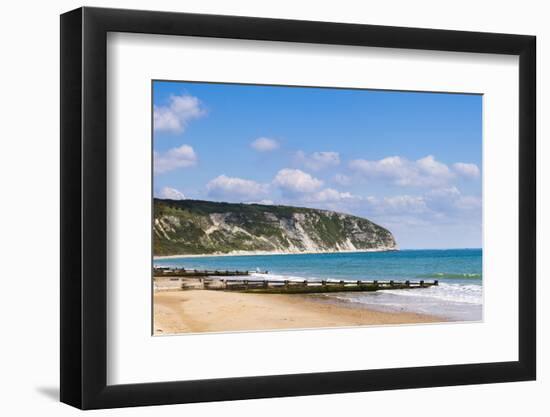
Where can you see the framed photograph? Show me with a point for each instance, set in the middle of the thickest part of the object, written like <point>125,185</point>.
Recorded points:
<point>259,208</point>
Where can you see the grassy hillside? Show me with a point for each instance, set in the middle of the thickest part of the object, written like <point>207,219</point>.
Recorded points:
<point>206,227</point>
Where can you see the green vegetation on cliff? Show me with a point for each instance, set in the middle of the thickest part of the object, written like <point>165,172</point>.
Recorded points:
<point>185,227</point>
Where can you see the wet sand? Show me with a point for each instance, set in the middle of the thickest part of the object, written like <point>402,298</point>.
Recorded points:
<point>197,311</point>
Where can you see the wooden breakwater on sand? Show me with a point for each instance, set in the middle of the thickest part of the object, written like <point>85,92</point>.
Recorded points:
<point>284,286</point>
<point>310,287</point>
<point>194,273</point>
<point>192,279</point>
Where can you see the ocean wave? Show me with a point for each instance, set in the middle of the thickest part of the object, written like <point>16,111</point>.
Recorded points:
<point>453,304</point>
<point>292,277</point>
<point>257,276</point>
<point>470,294</point>
<point>444,293</point>
<point>446,275</point>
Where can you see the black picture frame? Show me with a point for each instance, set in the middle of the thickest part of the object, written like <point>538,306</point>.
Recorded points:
<point>84,207</point>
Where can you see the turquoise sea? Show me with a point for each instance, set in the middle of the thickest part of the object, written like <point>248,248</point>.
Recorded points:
<point>459,271</point>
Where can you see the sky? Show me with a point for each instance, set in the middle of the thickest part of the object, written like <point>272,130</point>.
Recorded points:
<point>409,161</point>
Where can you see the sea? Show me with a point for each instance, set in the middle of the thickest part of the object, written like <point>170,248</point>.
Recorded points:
<point>458,297</point>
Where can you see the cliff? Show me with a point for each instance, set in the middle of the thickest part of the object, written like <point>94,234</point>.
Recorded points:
<point>186,227</point>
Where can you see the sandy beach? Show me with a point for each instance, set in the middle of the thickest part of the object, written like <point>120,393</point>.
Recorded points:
<point>196,311</point>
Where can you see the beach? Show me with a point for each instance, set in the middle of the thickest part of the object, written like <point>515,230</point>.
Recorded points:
<point>197,311</point>
<point>457,297</point>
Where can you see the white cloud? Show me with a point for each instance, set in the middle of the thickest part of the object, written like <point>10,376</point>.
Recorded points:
<point>441,204</point>
<point>432,168</point>
<point>399,204</point>
<point>295,181</point>
<point>176,115</point>
<point>342,180</point>
<point>424,172</point>
<point>235,188</point>
<point>450,199</point>
<point>448,193</point>
<point>328,195</point>
<point>265,145</point>
<point>392,166</point>
<point>466,170</point>
<point>171,194</point>
<point>410,204</point>
<point>181,157</point>
<point>318,160</point>
<point>298,187</point>
<point>468,202</point>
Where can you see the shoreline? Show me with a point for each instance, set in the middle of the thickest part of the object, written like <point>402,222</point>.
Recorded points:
<point>266,253</point>
<point>203,311</point>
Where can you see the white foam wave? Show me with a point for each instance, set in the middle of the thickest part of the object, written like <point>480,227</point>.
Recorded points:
<point>255,276</point>
<point>281,277</point>
<point>471,294</point>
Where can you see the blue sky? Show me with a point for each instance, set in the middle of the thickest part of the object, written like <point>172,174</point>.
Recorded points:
<point>408,161</point>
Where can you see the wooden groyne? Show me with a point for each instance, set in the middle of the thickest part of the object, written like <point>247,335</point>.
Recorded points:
<point>309,287</point>
<point>187,279</point>
<point>194,273</point>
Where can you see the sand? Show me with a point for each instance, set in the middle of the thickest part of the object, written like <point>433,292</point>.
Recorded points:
<point>195,311</point>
